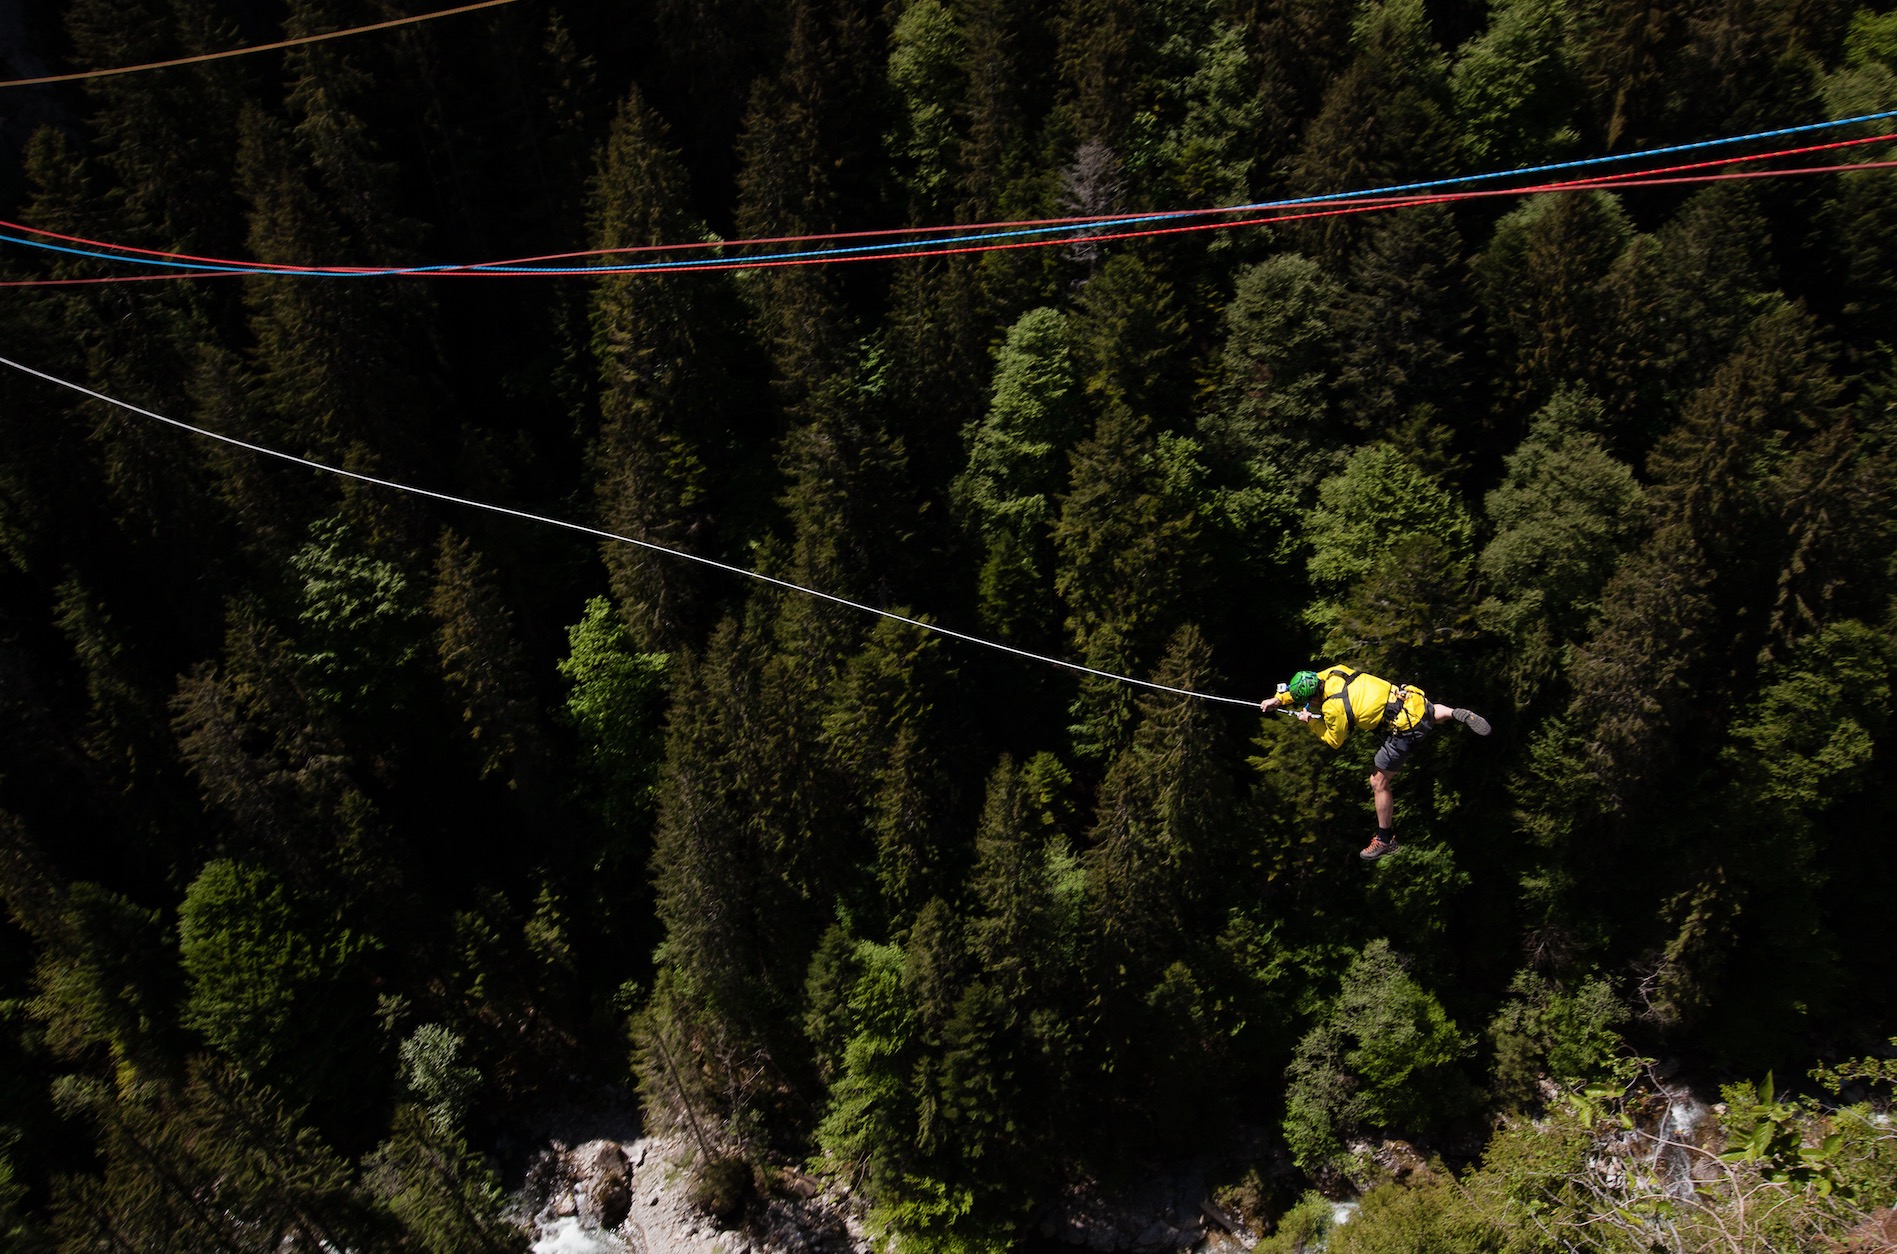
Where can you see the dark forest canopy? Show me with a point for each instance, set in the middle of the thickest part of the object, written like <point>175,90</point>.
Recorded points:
<point>341,830</point>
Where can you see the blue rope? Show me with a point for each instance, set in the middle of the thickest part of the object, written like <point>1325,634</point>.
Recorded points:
<point>887,247</point>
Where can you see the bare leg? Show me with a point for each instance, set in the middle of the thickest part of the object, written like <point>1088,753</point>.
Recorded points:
<point>1442,713</point>
<point>1381,787</point>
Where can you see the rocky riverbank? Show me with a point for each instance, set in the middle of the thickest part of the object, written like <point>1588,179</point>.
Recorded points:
<point>638,1197</point>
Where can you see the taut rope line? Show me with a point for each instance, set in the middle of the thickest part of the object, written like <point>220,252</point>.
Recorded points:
<point>582,528</point>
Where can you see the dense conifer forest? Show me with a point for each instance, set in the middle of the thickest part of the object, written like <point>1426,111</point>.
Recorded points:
<point>342,829</point>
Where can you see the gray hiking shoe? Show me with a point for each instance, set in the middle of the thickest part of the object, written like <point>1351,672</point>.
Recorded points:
<point>1377,848</point>
<point>1473,721</point>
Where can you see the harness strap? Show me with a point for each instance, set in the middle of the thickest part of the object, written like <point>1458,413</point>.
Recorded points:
<point>1393,708</point>
<point>1343,694</point>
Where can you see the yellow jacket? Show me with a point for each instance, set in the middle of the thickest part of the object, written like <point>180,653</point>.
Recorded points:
<point>1352,699</point>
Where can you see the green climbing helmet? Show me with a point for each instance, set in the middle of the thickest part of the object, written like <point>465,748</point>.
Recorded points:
<point>1305,685</point>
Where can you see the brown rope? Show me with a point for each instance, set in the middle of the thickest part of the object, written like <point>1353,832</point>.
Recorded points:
<point>240,52</point>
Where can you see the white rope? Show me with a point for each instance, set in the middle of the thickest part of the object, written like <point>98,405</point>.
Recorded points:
<point>609,535</point>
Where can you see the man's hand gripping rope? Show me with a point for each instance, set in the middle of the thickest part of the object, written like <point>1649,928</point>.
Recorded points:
<point>1279,702</point>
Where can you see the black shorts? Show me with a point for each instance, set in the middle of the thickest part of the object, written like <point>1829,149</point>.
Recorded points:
<point>1401,744</point>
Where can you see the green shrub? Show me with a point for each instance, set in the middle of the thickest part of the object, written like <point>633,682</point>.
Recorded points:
<point>723,1188</point>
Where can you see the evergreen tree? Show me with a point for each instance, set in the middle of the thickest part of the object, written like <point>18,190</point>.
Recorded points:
<point>1128,339</point>
<point>992,155</point>
<point>443,1192</point>
<point>1402,325</point>
<point>1858,257</point>
<point>1721,474</point>
<point>1759,960</point>
<point>1679,302</point>
<point>1163,830</point>
<point>1029,934</point>
<point>1127,543</point>
<point>671,411</point>
<point>1385,119</point>
<point>1515,86</point>
<point>1027,884</point>
<point>1382,1058</point>
<point>1623,51</point>
<point>700,60</point>
<point>852,507</point>
<point>216,1164</point>
<point>1776,48</point>
<point>1161,827</point>
<point>871,1120</point>
<point>128,731</point>
<point>268,759</point>
<point>1686,623</point>
<point>333,359</point>
<point>160,175</point>
<point>887,728</point>
<point>1101,70</point>
<point>481,665</point>
<point>937,356</point>
<point>1562,517</point>
<point>1542,282</point>
<point>99,990</point>
<point>709,881</point>
<point>1390,554</point>
<point>1013,475</point>
<point>926,67</point>
<point>1001,176</point>
<point>1272,411</point>
<point>757,841</point>
<point>360,619</point>
<point>915,1109</point>
<point>808,130</point>
<point>1302,45</point>
<point>167,141</point>
<point>1799,790</point>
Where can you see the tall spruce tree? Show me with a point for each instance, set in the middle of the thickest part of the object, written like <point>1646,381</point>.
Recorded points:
<point>1686,623</point>
<point>1271,413</point>
<point>1561,519</point>
<point>1102,64</point>
<point>1622,50</point>
<point>1128,552</point>
<point>927,63</point>
<point>1301,46</point>
<point>1163,828</point>
<point>217,1163</point>
<point>1129,338</point>
<point>1014,472</point>
<point>1677,303</point>
<point>1403,324</point>
<point>1515,86</point>
<point>672,417</point>
<point>481,665</point>
<point>1543,284</point>
<point>333,359</point>
<point>805,169</point>
<point>887,725</point>
<point>1385,119</point>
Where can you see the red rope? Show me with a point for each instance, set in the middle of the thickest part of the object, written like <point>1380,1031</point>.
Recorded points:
<point>1661,176</point>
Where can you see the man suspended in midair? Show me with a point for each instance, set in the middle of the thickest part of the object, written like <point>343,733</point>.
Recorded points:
<point>1348,699</point>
